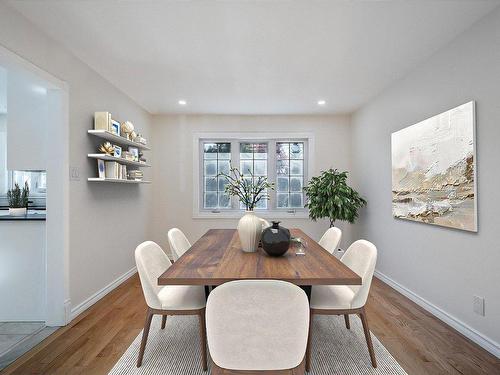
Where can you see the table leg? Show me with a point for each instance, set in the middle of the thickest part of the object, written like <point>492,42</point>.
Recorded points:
<point>307,289</point>
<point>207,291</point>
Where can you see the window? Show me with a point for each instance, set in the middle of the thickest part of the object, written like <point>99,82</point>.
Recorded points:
<point>216,159</point>
<point>283,161</point>
<point>290,174</point>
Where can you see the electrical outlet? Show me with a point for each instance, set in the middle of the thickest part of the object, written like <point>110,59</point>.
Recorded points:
<point>478,305</point>
<point>74,174</point>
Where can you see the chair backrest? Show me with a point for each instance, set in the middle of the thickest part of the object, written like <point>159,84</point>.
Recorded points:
<point>178,242</point>
<point>331,239</point>
<point>257,325</point>
<point>265,223</point>
<point>151,262</point>
<point>361,257</point>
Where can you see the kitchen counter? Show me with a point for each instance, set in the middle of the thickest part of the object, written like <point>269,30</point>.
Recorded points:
<point>32,215</point>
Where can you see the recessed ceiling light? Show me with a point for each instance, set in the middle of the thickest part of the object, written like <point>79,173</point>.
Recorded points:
<point>321,102</point>
<point>182,102</point>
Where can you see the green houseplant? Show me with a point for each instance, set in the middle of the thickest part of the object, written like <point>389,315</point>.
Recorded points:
<point>329,196</point>
<point>18,200</point>
<point>250,190</point>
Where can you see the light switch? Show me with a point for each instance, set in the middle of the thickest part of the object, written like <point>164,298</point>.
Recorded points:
<point>74,174</point>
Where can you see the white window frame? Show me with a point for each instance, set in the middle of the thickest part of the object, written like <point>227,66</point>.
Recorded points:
<point>236,137</point>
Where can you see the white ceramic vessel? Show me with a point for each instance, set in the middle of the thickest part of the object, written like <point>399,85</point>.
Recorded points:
<point>17,211</point>
<point>249,230</point>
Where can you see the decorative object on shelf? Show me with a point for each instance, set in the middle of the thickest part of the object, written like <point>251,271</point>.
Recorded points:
<point>127,155</point>
<point>141,157</point>
<point>107,148</point>
<point>329,196</point>
<point>139,138</point>
<point>115,127</point>
<point>112,169</point>
<point>135,152</point>
<point>101,169</point>
<point>102,121</point>
<point>434,170</point>
<point>275,239</point>
<point>127,128</point>
<point>136,175</point>
<point>250,190</point>
<point>117,151</point>
<point>18,200</point>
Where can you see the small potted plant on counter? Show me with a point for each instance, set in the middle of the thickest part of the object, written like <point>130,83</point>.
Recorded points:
<point>18,200</point>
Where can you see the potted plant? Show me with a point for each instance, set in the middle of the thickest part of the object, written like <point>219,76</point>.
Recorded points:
<point>250,190</point>
<point>18,200</point>
<point>329,196</point>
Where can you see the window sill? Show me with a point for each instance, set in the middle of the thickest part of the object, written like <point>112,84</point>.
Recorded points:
<point>261,214</point>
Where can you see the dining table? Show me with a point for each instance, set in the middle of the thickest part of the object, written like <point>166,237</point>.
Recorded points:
<point>217,258</point>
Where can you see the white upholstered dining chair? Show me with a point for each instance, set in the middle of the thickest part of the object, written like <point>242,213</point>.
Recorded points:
<point>151,262</point>
<point>331,239</point>
<point>178,242</point>
<point>360,257</point>
<point>260,326</point>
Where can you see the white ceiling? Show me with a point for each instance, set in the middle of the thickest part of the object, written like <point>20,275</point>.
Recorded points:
<point>253,57</point>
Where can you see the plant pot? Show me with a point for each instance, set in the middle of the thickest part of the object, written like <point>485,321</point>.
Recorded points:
<point>249,230</point>
<point>275,240</point>
<point>17,211</point>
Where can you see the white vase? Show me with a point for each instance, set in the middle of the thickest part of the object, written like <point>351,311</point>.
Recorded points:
<point>17,211</point>
<point>249,230</point>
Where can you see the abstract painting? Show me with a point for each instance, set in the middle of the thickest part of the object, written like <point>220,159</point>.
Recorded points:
<point>434,170</point>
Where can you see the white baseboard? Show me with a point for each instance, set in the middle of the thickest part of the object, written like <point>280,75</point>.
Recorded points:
<point>77,310</point>
<point>469,332</point>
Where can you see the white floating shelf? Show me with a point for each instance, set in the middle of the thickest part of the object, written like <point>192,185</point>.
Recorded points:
<point>117,181</point>
<point>119,160</point>
<point>104,134</point>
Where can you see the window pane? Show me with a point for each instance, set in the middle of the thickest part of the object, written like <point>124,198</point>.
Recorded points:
<point>296,200</point>
<point>224,166</point>
<point>210,200</point>
<point>246,151</point>
<point>210,167</point>
<point>297,150</point>
<point>260,167</point>
<point>282,184</point>
<point>246,167</point>
<point>222,183</point>
<point>210,150</point>
<point>224,151</point>
<point>282,167</point>
<point>260,150</point>
<point>296,167</point>
<point>224,201</point>
<point>296,184</point>
<point>210,184</point>
<point>282,200</point>
<point>282,150</point>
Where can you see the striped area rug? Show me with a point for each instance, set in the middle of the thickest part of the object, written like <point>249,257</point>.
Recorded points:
<point>335,350</point>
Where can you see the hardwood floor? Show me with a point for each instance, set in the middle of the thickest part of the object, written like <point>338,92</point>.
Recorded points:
<point>93,343</point>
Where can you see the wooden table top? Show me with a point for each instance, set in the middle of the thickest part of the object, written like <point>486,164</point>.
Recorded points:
<point>217,258</point>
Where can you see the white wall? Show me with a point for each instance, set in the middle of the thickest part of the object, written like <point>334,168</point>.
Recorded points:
<point>22,275</point>
<point>27,123</point>
<point>106,221</point>
<point>173,172</point>
<point>445,267</point>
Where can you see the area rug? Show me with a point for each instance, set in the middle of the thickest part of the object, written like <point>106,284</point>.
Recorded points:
<point>335,350</point>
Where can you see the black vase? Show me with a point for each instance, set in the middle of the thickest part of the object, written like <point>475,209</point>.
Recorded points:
<point>275,240</point>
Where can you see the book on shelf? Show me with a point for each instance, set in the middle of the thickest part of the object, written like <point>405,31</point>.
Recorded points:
<point>102,121</point>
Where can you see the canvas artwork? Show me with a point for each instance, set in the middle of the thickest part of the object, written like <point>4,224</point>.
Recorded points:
<point>434,170</point>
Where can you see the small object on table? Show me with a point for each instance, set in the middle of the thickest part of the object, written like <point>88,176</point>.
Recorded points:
<point>275,240</point>
<point>299,245</point>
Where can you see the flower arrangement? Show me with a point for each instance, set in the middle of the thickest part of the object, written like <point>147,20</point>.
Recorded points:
<point>249,189</point>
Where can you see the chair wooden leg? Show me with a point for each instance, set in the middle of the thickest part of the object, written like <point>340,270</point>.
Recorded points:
<point>163,321</point>
<point>309,339</point>
<point>203,339</point>
<point>145,333</point>
<point>347,323</point>
<point>368,337</point>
